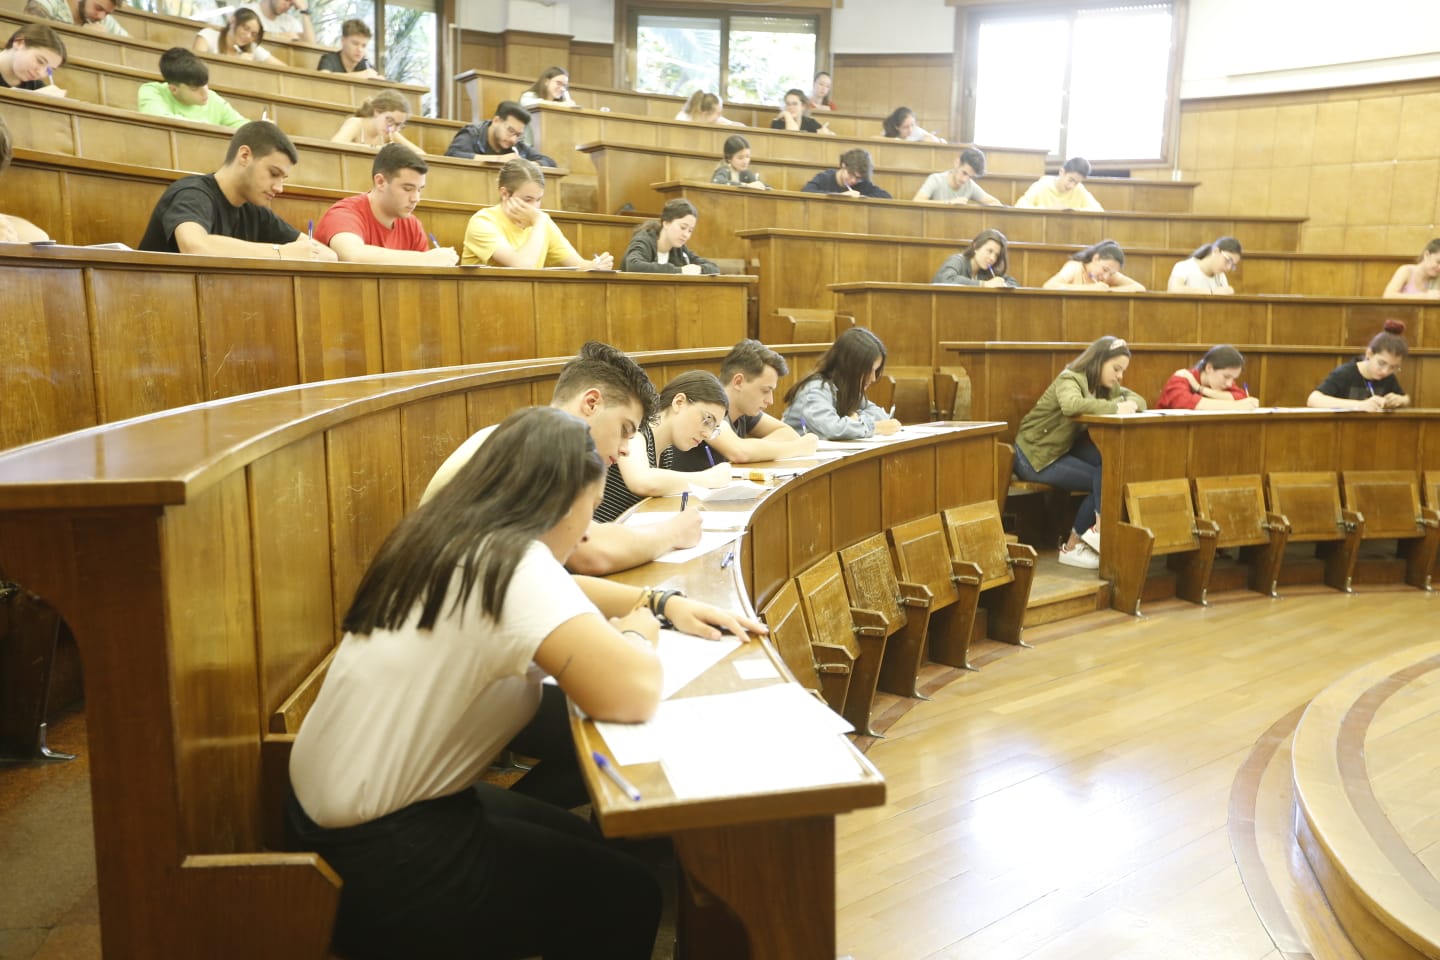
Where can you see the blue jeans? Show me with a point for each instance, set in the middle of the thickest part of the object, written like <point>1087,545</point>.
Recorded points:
<point>1077,470</point>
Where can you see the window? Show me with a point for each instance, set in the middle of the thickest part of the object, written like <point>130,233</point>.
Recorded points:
<point>748,58</point>
<point>1095,83</point>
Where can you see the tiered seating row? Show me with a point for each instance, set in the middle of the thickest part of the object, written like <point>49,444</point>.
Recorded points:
<point>98,336</point>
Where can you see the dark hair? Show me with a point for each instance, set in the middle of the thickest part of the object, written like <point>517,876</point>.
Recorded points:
<point>510,110</point>
<point>751,357</point>
<point>520,483</point>
<point>1077,165</point>
<point>618,378</point>
<point>699,386</point>
<point>7,149</point>
<point>182,68</point>
<point>1390,339</point>
<point>891,124</point>
<point>1221,357</point>
<point>734,145</point>
<point>538,87</point>
<point>673,210</point>
<point>263,138</point>
<point>1104,250</point>
<point>844,366</point>
<point>1002,263</point>
<point>243,15</point>
<point>394,157</point>
<point>804,98</point>
<point>1432,247</point>
<point>818,75</point>
<point>976,158</point>
<point>383,102</point>
<point>1227,244</point>
<point>355,27</point>
<point>858,162</point>
<point>518,172</point>
<point>38,35</point>
<point>1094,357</point>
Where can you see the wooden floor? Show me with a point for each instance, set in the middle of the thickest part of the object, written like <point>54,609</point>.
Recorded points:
<point>1121,790</point>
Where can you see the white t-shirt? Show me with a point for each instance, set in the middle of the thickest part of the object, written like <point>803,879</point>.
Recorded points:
<point>937,187</point>
<point>211,35</point>
<point>410,715</point>
<point>456,460</point>
<point>291,21</point>
<point>1188,272</point>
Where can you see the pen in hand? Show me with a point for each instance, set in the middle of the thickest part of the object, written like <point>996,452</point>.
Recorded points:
<point>626,787</point>
<point>684,500</point>
<point>433,242</point>
<point>312,230</point>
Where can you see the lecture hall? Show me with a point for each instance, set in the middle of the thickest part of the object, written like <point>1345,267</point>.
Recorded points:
<point>952,478</point>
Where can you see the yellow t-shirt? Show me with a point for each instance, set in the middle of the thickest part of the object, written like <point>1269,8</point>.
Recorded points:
<point>1043,195</point>
<point>490,227</point>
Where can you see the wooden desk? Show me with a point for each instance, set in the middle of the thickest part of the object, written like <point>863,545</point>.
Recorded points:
<point>77,201</point>
<point>797,268</point>
<point>228,72</point>
<point>100,134</point>
<point>171,31</point>
<point>626,171</point>
<point>99,335</point>
<point>913,318</point>
<point>1159,447</point>
<point>157,538</point>
<point>741,209</point>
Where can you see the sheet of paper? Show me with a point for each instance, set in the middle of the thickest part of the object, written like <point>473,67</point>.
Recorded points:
<point>734,490</point>
<point>685,657</point>
<point>709,540</point>
<point>840,445</point>
<point>725,520</point>
<point>756,668</point>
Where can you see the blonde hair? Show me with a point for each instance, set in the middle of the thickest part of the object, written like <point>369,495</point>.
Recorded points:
<point>383,102</point>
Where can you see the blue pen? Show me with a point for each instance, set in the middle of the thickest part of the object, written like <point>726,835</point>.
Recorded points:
<point>50,76</point>
<point>804,427</point>
<point>709,455</point>
<point>626,787</point>
<point>728,559</point>
<point>312,229</point>
<point>1246,388</point>
<point>435,242</point>
<point>684,500</point>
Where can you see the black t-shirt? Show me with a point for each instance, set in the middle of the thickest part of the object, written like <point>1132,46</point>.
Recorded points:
<point>807,124</point>
<point>27,85</point>
<point>199,199</point>
<point>1347,383</point>
<point>332,62</point>
<point>618,497</point>
<point>695,460</point>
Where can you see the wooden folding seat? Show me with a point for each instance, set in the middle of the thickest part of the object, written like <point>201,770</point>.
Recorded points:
<point>822,667</point>
<point>1049,507</point>
<point>1389,502</point>
<point>1430,484</point>
<point>809,325</point>
<point>952,394</point>
<point>1308,505</point>
<point>912,394</point>
<point>902,606</point>
<point>1237,505</point>
<point>1161,523</point>
<point>835,622</point>
<point>942,618</point>
<point>1006,569</point>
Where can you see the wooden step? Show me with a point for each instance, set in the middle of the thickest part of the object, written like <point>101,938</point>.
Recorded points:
<point>1060,592</point>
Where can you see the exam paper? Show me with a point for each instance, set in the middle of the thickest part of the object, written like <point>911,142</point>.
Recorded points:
<point>709,540</point>
<point>685,657</point>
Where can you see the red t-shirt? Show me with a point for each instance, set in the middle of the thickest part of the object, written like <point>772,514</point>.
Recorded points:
<point>353,215</point>
<point>1180,393</point>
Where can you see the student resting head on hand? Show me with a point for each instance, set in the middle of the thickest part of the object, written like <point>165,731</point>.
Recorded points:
<point>1050,447</point>
<point>1212,384</point>
<point>516,233</point>
<point>1369,382</point>
<point>735,169</point>
<point>831,401</point>
<point>1204,270</point>
<point>1097,267</point>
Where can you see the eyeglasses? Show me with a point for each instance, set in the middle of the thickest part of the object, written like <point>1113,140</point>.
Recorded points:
<point>1230,261</point>
<point>711,425</point>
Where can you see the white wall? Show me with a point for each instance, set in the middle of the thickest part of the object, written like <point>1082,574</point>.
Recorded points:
<point>893,26</point>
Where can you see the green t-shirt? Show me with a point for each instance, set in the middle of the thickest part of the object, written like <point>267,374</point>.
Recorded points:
<point>157,100</point>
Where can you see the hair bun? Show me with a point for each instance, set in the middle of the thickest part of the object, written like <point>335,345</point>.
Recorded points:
<point>1396,327</point>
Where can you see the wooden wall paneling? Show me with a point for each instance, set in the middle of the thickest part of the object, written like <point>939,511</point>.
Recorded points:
<point>1231,322</point>
<point>1091,317</point>
<point>1289,379</point>
<point>710,315</point>
<point>907,487</point>
<point>1257,274</point>
<point>640,313</point>
<point>50,130</point>
<point>909,333</point>
<point>591,63</point>
<point>810,533</point>
<point>529,54</point>
<point>97,136</point>
<point>40,197</point>
<point>920,264</point>
<point>46,381</point>
<point>1331,278</point>
<point>366,486</point>
<point>431,430</point>
<point>295,622</point>
<point>855,509</point>
<point>768,545</point>
<point>106,210</point>
<point>1306,322</point>
<point>1364,320</point>
<point>337,327</point>
<point>567,313</point>
<point>152,360</point>
<point>1166,321</point>
<point>626,179</point>
<point>964,318</point>
<point>1302,447</point>
<point>420,322</point>
<point>498,321</point>
<point>1362,447</point>
<point>247,332</point>
<point>493,404</point>
<point>214,674</point>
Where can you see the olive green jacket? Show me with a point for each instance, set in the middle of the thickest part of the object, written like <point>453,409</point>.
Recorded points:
<point>1049,430</point>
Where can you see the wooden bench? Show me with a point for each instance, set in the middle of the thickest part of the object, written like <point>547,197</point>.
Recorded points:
<point>1161,522</point>
<point>824,668</point>
<point>833,621</point>
<point>941,596</point>
<point>1007,570</point>
<point>1237,506</point>
<point>1389,503</point>
<point>902,605</point>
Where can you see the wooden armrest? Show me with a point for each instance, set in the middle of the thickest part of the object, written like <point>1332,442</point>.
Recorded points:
<point>1351,520</point>
<point>965,572</point>
<point>830,658</point>
<point>1206,529</point>
<point>915,595</point>
<point>1429,517</point>
<point>869,623</point>
<point>1277,521</point>
<point>1021,554</point>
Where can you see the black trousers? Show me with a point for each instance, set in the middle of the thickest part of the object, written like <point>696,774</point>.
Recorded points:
<point>547,738</point>
<point>483,873</point>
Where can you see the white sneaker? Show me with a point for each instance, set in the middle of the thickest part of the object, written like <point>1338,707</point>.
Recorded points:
<point>1080,556</point>
<point>1092,538</point>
